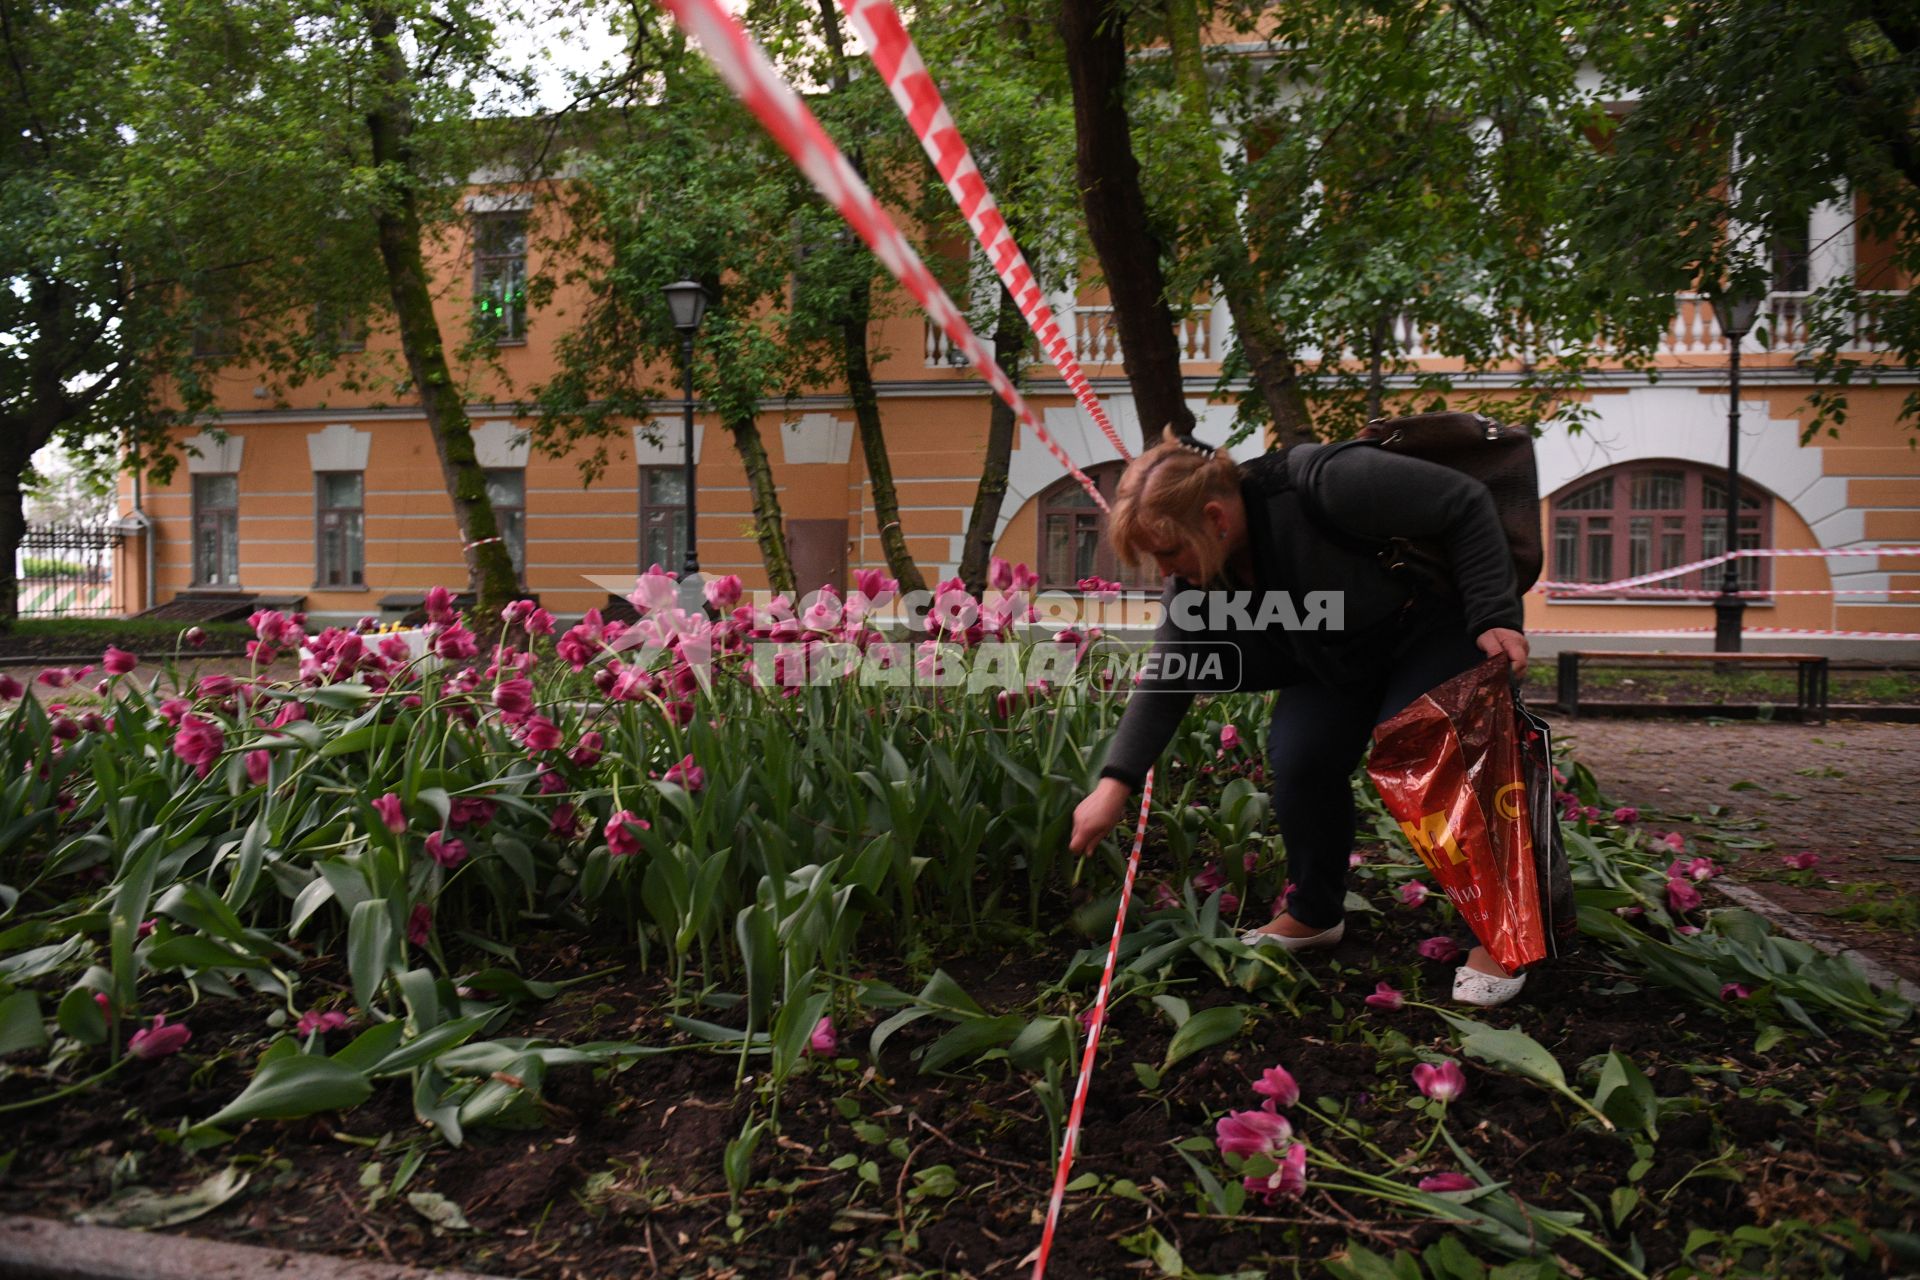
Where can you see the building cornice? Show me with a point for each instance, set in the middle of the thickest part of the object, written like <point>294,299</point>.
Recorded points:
<point>931,388</point>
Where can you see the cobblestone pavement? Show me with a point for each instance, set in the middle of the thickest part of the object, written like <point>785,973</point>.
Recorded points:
<point>1845,791</point>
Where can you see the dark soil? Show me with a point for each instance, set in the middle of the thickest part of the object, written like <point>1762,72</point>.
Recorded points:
<point>624,1177</point>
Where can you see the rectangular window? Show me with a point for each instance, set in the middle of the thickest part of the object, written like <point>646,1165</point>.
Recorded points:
<point>507,491</point>
<point>1660,491</point>
<point>340,516</point>
<point>500,275</point>
<point>214,330</point>
<point>663,517</point>
<point>1792,261</point>
<point>216,530</point>
<point>1566,549</point>
<point>334,330</point>
<point>1599,549</point>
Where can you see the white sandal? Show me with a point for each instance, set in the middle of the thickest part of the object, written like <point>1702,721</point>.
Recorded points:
<point>1311,942</point>
<point>1487,990</point>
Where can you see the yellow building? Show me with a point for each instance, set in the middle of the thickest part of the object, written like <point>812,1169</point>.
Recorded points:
<point>335,503</point>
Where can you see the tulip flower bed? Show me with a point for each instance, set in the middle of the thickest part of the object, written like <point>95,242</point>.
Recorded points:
<point>584,957</point>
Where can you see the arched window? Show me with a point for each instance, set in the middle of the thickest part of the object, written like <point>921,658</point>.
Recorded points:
<point>1073,536</point>
<point>1642,517</point>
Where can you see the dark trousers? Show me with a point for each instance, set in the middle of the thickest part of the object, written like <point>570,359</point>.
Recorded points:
<point>1316,739</point>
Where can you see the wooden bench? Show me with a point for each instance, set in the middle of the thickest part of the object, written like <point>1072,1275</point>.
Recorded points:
<point>1809,668</point>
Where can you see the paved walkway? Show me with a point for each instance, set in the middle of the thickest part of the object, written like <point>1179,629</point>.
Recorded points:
<point>1845,791</point>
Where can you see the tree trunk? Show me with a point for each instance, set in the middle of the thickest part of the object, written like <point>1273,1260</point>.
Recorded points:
<point>1009,342</point>
<point>13,519</point>
<point>1268,358</point>
<point>490,574</point>
<point>769,526</point>
<point>1116,208</point>
<point>857,363</point>
<point>858,367</point>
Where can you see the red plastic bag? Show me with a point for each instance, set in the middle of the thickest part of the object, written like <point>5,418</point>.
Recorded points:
<point>1455,770</point>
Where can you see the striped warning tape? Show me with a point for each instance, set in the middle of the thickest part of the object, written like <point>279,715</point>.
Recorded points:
<point>1747,553</point>
<point>1070,1140</point>
<point>745,68</point>
<point>912,86</point>
<point>1708,594</point>
<point>1805,632</point>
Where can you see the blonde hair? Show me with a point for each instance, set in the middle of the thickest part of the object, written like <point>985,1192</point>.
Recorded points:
<point>1157,505</point>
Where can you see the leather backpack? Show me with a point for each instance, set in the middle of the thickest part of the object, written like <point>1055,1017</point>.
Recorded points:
<point>1500,457</point>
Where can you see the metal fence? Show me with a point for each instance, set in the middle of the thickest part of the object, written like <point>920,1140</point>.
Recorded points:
<point>66,570</point>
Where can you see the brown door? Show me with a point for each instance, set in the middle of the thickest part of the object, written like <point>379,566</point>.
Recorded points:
<point>819,552</point>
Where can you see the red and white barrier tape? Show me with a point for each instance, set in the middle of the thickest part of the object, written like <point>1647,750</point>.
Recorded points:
<point>1769,553</point>
<point>745,68</point>
<point>1071,1138</point>
<point>1706,595</point>
<point>912,86</point>
<point>1807,632</point>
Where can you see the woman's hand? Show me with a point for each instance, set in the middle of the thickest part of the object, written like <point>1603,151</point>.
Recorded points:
<point>1099,814</point>
<point>1504,640</point>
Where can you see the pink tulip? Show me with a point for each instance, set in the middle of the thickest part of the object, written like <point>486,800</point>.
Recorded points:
<point>565,822</point>
<point>259,766</point>
<point>1288,1181</point>
<point>159,1040</point>
<point>10,688</point>
<point>1229,739</point>
<point>1277,1085</point>
<point>1386,996</point>
<point>1413,893</point>
<point>1692,869</point>
<point>687,774</point>
<point>173,708</point>
<point>118,661</point>
<point>1356,859</point>
<point>623,833</point>
<point>722,592</point>
<point>1209,878</point>
<point>420,924</point>
<point>587,753</point>
<point>1673,840</point>
<point>823,1042</point>
<point>1447,1182</point>
<point>439,605</point>
<point>1735,991</point>
<point>1440,949</point>
<point>1626,815</point>
<point>1682,896</point>
<point>1250,1133</point>
<point>55,678</point>
<point>456,643</point>
<point>313,1020</point>
<point>541,734</point>
<point>1795,861</point>
<point>1443,1082</point>
<point>514,697</point>
<point>199,743</point>
<point>391,812</point>
<point>446,850</point>
<point>195,637</point>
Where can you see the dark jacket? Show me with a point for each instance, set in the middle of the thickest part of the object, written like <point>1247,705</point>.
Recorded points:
<point>1362,499</point>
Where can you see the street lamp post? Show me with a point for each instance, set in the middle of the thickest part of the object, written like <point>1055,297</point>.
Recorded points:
<point>687,302</point>
<point>1737,312</point>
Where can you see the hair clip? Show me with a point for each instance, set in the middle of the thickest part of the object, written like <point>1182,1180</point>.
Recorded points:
<point>1192,445</point>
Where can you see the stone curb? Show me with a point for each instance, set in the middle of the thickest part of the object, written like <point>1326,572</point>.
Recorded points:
<point>1797,927</point>
<point>42,1249</point>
